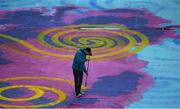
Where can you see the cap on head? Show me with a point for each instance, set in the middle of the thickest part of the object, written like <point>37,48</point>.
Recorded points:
<point>88,50</point>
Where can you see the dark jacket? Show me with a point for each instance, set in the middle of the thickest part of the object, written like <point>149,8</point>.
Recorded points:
<point>79,60</point>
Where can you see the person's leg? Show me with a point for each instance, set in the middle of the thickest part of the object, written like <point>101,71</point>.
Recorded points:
<point>76,81</point>
<point>80,81</point>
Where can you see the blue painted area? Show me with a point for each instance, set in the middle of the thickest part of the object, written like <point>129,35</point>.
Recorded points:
<point>16,4</point>
<point>13,93</point>
<point>109,1</point>
<point>22,33</point>
<point>41,100</point>
<point>152,33</point>
<point>66,103</point>
<point>4,61</point>
<point>62,10</point>
<point>111,104</point>
<point>28,20</point>
<point>49,41</point>
<point>4,102</point>
<point>4,40</point>
<point>4,84</point>
<point>130,11</point>
<point>177,41</point>
<point>137,38</point>
<point>94,4</point>
<point>70,101</point>
<point>86,100</point>
<point>112,86</point>
<point>129,22</point>
<point>134,22</point>
<point>98,20</point>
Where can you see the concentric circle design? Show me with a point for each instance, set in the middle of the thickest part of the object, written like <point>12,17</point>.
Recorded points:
<point>61,96</point>
<point>39,91</point>
<point>106,44</point>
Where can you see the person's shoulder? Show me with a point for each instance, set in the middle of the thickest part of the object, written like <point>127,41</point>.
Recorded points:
<point>79,51</point>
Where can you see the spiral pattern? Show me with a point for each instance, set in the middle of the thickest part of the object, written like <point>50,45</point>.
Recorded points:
<point>39,91</point>
<point>107,44</point>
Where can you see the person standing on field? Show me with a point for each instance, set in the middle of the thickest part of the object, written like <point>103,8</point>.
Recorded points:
<point>79,68</point>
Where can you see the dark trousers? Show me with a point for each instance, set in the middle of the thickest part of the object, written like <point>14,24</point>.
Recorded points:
<point>78,77</point>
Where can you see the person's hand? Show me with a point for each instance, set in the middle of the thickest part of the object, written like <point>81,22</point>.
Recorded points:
<point>87,59</point>
<point>86,73</point>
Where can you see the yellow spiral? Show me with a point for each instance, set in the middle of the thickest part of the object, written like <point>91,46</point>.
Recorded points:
<point>39,91</point>
<point>105,44</point>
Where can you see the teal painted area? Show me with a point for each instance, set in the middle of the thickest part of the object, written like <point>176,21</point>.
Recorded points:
<point>26,4</point>
<point>164,62</point>
<point>167,9</point>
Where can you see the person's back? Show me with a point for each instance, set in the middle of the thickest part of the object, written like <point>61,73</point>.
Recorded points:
<point>79,60</point>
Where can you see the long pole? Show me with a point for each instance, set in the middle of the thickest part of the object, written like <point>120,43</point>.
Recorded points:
<point>87,70</point>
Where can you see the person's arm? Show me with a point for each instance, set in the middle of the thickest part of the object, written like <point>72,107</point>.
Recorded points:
<point>85,70</point>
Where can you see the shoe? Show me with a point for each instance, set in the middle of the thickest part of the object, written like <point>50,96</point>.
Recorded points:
<point>79,95</point>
